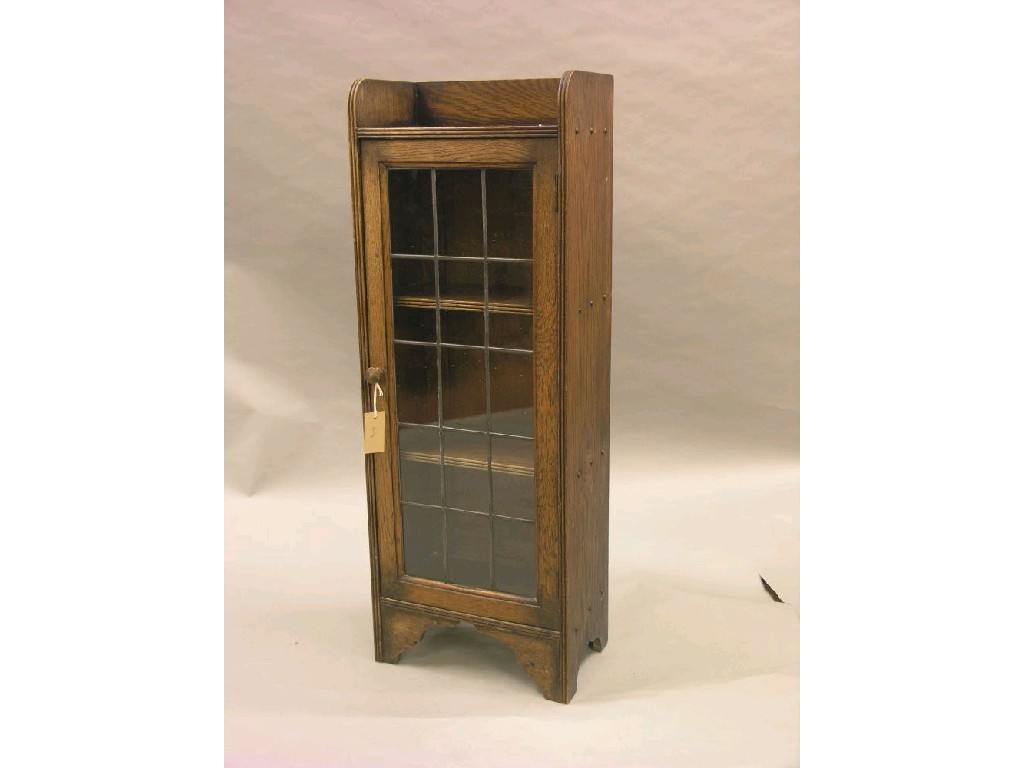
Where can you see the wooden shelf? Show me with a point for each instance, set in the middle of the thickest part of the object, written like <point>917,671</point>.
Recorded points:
<point>469,462</point>
<point>514,304</point>
<point>460,132</point>
<point>455,345</point>
<point>443,257</point>
<point>508,456</point>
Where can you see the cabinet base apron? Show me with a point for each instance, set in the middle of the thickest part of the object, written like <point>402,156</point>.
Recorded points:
<point>539,652</point>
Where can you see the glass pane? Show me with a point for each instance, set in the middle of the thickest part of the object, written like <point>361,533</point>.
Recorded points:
<point>411,211</point>
<point>462,283</point>
<point>512,477</point>
<point>466,482</point>
<point>514,495</point>
<point>469,549</point>
<point>416,383</point>
<point>460,223</point>
<point>423,541</point>
<point>510,284</point>
<point>510,214</point>
<point>511,331</point>
<point>420,442</point>
<point>415,324</point>
<point>463,388</point>
<point>419,480</point>
<point>466,486</point>
<point>458,327</point>
<point>515,557</point>
<point>419,465</point>
<point>412,278</point>
<point>512,393</point>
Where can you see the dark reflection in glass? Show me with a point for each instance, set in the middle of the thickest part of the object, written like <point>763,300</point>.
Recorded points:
<point>462,386</point>
<point>512,393</point>
<point>420,441</point>
<point>419,466</point>
<point>515,565</point>
<point>460,224</point>
<point>469,549</point>
<point>411,211</point>
<point>511,282</point>
<point>416,383</point>
<point>419,480</point>
<point>516,421</point>
<point>512,454</point>
<point>466,487</point>
<point>458,327</point>
<point>423,541</point>
<point>462,281</point>
<point>412,278</point>
<point>512,331</point>
<point>466,482</point>
<point>512,476</point>
<point>510,214</point>
<point>514,495</point>
<point>415,324</point>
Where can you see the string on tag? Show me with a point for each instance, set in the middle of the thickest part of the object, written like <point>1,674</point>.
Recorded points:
<point>376,391</point>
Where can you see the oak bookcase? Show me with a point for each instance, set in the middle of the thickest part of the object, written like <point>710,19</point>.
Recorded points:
<point>482,218</point>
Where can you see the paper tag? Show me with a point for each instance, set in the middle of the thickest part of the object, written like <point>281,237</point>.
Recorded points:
<point>374,432</point>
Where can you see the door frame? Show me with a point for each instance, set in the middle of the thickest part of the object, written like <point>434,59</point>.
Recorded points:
<point>376,158</point>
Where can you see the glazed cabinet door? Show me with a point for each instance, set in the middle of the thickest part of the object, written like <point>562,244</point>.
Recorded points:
<point>462,317</point>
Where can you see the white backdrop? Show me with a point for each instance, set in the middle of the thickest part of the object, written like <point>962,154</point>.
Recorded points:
<point>701,666</point>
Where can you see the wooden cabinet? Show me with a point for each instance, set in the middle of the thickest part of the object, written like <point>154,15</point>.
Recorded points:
<point>483,231</point>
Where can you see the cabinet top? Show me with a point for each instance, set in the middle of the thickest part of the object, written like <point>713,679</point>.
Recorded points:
<point>379,108</point>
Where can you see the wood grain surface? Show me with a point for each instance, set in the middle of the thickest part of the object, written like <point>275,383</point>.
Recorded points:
<point>586,192</point>
<point>536,652</point>
<point>381,103</point>
<point>488,102</point>
<point>461,132</point>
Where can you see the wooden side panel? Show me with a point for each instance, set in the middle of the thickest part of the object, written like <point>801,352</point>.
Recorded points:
<point>382,103</point>
<point>355,98</point>
<point>370,103</point>
<point>586,187</point>
<point>491,102</point>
